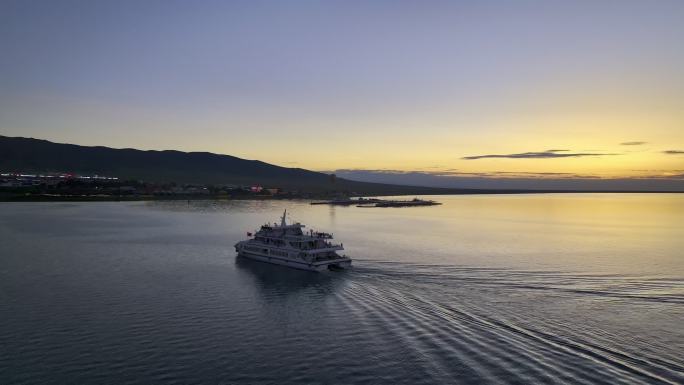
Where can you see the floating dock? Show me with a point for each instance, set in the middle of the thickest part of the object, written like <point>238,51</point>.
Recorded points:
<point>374,202</point>
<point>398,203</point>
<point>349,202</point>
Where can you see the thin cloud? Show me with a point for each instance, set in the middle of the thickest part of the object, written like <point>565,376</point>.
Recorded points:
<point>537,155</point>
<point>452,173</point>
<point>632,143</point>
<point>673,152</point>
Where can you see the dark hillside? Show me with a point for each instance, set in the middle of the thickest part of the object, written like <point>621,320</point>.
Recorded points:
<point>34,155</point>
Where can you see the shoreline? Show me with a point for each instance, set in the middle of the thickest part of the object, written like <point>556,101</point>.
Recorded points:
<point>142,198</point>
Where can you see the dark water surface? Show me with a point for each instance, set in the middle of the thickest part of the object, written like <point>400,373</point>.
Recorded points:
<point>498,289</point>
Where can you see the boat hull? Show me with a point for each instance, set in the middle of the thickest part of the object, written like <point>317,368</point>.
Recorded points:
<point>343,263</point>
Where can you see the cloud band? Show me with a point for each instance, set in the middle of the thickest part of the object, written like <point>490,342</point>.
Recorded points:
<point>537,155</point>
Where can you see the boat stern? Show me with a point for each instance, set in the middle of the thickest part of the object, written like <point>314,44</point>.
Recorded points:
<point>343,265</point>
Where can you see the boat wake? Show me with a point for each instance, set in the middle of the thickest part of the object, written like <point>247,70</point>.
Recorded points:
<point>469,325</point>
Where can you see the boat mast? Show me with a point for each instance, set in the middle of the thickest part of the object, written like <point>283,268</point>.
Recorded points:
<point>282,220</point>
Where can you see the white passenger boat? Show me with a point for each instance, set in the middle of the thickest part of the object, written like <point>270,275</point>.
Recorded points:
<point>290,246</point>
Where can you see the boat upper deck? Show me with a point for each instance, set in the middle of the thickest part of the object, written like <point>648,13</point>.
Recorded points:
<point>284,235</point>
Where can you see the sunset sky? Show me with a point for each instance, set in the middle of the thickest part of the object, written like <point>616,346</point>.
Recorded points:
<point>495,88</point>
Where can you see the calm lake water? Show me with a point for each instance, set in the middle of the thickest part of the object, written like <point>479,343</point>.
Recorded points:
<point>575,288</point>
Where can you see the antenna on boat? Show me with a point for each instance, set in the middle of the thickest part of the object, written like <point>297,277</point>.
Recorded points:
<point>282,220</point>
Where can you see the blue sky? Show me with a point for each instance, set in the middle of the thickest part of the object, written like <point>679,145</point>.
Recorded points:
<point>327,85</point>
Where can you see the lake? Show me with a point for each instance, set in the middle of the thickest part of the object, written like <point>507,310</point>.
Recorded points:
<point>554,288</point>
